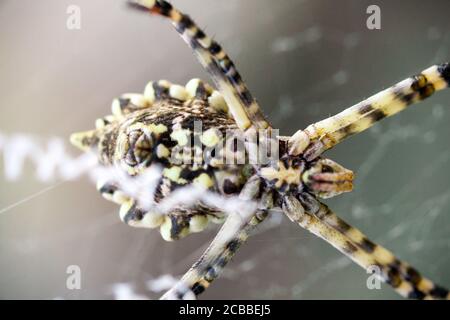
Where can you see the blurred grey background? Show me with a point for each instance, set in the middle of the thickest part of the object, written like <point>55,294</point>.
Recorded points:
<point>304,61</point>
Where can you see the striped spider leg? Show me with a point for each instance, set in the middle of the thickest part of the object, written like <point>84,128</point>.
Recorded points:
<point>317,218</point>
<point>231,236</point>
<point>325,134</point>
<point>210,54</point>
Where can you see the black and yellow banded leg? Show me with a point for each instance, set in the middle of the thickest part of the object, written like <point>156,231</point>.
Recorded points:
<point>215,258</point>
<point>243,106</point>
<point>405,286</point>
<point>423,287</point>
<point>231,236</point>
<point>327,133</point>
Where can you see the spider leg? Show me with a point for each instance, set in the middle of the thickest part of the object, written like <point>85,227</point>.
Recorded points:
<point>213,58</point>
<point>327,133</point>
<point>382,255</point>
<point>321,221</point>
<point>233,233</point>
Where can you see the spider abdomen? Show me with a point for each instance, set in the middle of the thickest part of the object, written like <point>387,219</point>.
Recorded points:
<point>185,131</point>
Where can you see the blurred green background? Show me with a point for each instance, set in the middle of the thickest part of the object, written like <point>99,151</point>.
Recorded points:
<point>304,61</point>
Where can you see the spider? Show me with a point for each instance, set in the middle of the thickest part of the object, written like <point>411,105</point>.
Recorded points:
<point>146,129</point>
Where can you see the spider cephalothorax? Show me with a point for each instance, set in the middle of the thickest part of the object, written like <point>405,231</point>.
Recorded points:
<point>159,127</point>
<point>294,174</point>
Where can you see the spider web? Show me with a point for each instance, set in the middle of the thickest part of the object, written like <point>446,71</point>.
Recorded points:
<point>317,58</point>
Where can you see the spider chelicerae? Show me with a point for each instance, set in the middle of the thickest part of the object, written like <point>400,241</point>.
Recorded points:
<point>146,129</point>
